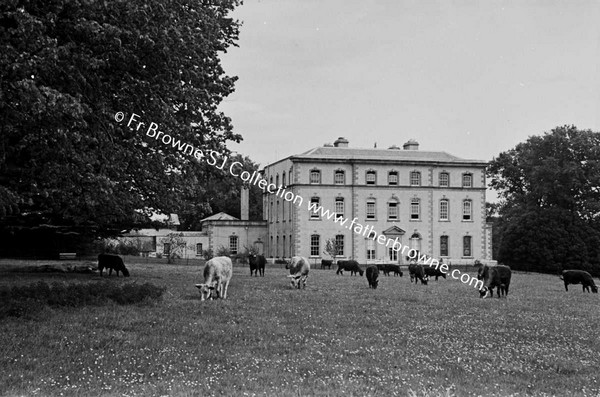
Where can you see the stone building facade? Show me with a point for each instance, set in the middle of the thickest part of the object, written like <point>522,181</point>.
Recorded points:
<point>431,201</point>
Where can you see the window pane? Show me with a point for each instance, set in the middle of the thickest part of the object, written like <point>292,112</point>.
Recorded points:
<point>339,178</point>
<point>444,210</point>
<point>393,211</point>
<point>467,180</point>
<point>393,254</point>
<point>339,242</point>
<point>467,246</point>
<point>467,210</point>
<point>233,245</point>
<point>370,248</point>
<point>393,178</point>
<point>315,213</point>
<point>444,246</point>
<point>314,244</point>
<point>415,209</point>
<point>339,207</point>
<point>315,176</point>
<point>444,179</point>
<point>199,249</point>
<point>370,210</point>
<point>371,177</point>
<point>415,178</point>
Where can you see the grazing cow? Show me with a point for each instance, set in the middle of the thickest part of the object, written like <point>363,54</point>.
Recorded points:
<point>257,264</point>
<point>217,274</point>
<point>494,276</point>
<point>417,273</point>
<point>111,262</point>
<point>299,268</point>
<point>326,263</point>
<point>372,275</point>
<point>386,269</point>
<point>579,277</point>
<point>432,271</point>
<point>352,266</point>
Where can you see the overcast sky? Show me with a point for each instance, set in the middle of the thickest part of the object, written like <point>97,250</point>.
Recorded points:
<point>472,78</point>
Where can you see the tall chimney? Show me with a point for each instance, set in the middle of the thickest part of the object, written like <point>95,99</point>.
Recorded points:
<point>245,203</point>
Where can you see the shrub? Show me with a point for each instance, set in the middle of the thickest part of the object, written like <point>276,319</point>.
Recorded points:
<point>22,301</point>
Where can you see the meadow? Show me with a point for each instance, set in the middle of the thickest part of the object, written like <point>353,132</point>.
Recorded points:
<point>335,338</point>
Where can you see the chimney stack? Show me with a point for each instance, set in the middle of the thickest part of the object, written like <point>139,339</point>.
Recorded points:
<point>411,144</point>
<point>341,142</point>
<point>245,203</point>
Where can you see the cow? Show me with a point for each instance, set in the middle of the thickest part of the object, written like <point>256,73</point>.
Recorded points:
<point>494,276</point>
<point>386,269</point>
<point>433,271</point>
<point>217,275</point>
<point>579,277</point>
<point>326,263</point>
<point>299,268</point>
<point>417,273</point>
<point>372,275</point>
<point>352,266</point>
<point>111,262</point>
<point>257,264</point>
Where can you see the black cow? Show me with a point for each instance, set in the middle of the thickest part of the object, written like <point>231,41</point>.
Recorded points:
<point>432,271</point>
<point>112,262</point>
<point>352,266</point>
<point>579,277</point>
<point>417,273</point>
<point>494,276</point>
<point>257,264</point>
<point>395,269</point>
<point>386,269</point>
<point>372,275</point>
<point>326,263</point>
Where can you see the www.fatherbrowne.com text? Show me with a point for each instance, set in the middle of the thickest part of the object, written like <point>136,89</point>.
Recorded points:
<point>220,162</point>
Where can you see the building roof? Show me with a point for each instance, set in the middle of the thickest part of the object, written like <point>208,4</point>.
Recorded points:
<point>323,152</point>
<point>221,216</point>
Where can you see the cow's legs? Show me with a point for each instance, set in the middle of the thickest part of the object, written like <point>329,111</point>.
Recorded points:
<point>224,288</point>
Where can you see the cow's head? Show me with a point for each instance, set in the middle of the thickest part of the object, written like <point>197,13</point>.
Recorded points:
<point>484,292</point>
<point>594,289</point>
<point>482,272</point>
<point>375,284</point>
<point>295,281</point>
<point>206,291</point>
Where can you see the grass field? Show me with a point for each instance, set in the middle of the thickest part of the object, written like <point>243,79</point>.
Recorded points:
<point>336,338</point>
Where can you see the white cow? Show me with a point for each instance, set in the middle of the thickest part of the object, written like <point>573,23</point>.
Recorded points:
<point>217,274</point>
<point>299,268</point>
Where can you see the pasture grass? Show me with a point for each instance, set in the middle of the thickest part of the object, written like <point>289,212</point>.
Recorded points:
<point>337,337</point>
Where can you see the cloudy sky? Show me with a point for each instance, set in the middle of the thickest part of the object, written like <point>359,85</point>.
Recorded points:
<point>472,78</point>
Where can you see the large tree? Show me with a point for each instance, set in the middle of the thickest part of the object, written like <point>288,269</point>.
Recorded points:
<point>66,69</point>
<point>550,191</point>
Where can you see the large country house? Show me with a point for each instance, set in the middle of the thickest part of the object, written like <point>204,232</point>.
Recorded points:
<point>431,201</point>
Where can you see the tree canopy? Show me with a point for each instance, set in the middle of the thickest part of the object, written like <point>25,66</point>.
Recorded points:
<point>66,68</point>
<point>550,191</point>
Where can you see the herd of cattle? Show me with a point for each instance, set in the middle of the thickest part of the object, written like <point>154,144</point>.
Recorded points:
<point>218,271</point>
